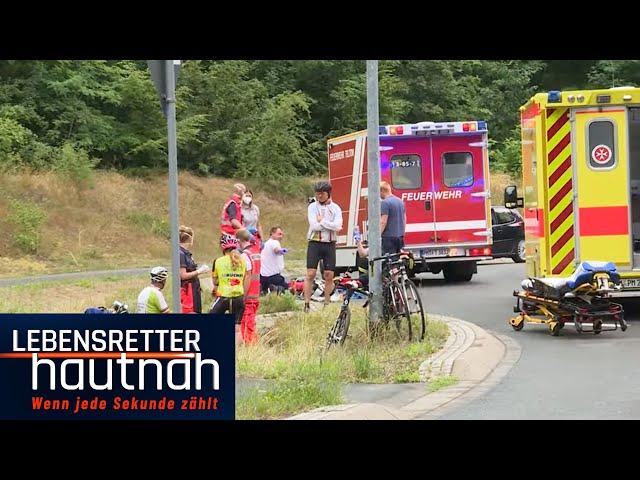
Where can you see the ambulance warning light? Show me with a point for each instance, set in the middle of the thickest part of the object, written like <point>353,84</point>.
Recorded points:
<point>554,96</point>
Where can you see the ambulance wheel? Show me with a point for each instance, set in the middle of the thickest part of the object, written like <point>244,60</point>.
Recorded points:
<point>520,256</point>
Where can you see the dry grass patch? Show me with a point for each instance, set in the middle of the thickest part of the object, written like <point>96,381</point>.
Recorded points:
<point>122,222</point>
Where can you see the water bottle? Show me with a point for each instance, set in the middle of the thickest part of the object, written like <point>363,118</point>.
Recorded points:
<point>356,234</point>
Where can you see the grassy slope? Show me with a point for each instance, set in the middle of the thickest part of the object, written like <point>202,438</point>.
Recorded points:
<point>118,222</point>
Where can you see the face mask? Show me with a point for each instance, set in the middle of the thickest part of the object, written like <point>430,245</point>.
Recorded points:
<point>247,199</point>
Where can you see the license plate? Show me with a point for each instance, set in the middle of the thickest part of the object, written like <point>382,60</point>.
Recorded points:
<point>631,282</point>
<point>435,252</point>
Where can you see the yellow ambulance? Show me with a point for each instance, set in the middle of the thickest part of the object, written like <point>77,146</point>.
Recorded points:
<point>581,181</point>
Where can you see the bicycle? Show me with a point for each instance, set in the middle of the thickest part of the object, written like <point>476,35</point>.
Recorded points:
<point>401,300</point>
<point>338,333</point>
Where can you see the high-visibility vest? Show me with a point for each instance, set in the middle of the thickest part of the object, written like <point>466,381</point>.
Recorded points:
<point>225,219</point>
<point>253,252</point>
<point>230,280</point>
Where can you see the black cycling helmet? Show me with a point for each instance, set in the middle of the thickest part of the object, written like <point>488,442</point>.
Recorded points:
<point>323,187</point>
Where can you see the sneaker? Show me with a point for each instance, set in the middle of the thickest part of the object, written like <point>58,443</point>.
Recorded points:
<point>306,308</point>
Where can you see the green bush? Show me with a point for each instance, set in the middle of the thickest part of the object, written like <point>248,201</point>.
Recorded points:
<point>27,218</point>
<point>75,165</point>
<point>507,156</point>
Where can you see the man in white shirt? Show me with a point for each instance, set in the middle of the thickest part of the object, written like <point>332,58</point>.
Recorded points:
<point>325,221</point>
<point>272,262</point>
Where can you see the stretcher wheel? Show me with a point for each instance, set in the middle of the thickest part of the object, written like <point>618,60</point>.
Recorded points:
<point>597,327</point>
<point>623,324</point>
<point>554,328</point>
<point>518,327</point>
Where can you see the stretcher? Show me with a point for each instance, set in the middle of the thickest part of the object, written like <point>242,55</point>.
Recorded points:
<point>583,299</point>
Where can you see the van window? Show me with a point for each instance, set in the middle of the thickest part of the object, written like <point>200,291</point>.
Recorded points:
<point>458,169</point>
<point>503,216</point>
<point>601,137</point>
<point>406,172</point>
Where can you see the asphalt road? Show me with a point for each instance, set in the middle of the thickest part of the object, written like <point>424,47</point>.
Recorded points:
<point>572,376</point>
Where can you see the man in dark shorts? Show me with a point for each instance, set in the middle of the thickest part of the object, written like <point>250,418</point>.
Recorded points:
<point>325,221</point>
<point>393,220</point>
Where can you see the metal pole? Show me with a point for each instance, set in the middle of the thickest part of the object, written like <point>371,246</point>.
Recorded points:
<point>173,184</point>
<point>373,188</point>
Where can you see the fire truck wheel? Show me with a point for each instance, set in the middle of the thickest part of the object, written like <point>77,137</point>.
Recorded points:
<point>520,256</point>
<point>458,272</point>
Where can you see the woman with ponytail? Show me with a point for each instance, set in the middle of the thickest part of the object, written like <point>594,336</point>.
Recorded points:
<point>229,286</point>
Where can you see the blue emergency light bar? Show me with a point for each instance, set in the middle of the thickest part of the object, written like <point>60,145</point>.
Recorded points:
<point>554,96</point>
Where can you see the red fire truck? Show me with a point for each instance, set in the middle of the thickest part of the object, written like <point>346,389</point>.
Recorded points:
<point>441,172</point>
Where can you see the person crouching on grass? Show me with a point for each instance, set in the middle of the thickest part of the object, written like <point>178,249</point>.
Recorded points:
<point>229,286</point>
<point>250,248</point>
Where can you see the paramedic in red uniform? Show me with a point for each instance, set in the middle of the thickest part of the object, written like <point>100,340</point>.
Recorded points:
<point>250,248</point>
<point>393,220</point>
<point>325,221</point>
<point>231,218</point>
<point>190,291</point>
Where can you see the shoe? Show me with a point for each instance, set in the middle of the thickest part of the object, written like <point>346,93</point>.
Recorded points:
<point>306,308</point>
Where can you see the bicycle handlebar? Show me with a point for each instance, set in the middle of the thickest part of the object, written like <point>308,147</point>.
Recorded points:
<point>389,256</point>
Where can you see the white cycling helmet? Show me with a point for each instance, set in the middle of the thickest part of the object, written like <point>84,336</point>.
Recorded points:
<point>159,274</point>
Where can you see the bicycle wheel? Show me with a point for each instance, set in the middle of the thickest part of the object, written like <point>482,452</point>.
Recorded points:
<point>338,332</point>
<point>401,316</point>
<point>414,302</point>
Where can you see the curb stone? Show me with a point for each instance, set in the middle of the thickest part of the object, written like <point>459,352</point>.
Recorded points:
<point>461,337</point>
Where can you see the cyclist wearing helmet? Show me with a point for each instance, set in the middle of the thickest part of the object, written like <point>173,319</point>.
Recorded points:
<point>229,286</point>
<point>151,299</point>
<point>325,221</point>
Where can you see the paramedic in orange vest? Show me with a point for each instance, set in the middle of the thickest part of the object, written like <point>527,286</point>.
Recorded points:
<point>231,217</point>
<point>250,249</point>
